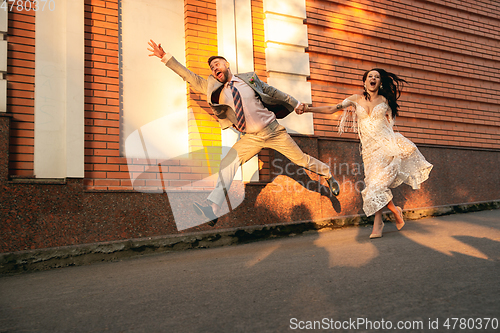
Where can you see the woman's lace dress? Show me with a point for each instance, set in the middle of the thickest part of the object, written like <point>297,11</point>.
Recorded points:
<point>389,158</point>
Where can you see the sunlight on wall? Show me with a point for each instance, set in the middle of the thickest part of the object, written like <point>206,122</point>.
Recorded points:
<point>415,198</point>
<point>287,198</point>
<point>351,25</point>
<point>350,15</point>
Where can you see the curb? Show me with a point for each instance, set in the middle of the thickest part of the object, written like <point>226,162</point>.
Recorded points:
<point>45,259</point>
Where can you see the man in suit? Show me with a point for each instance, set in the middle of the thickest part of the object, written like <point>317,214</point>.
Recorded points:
<point>251,106</point>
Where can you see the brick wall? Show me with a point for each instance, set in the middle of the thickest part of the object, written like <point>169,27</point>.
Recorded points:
<point>448,53</point>
<point>21,89</point>
<point>204,131</point>
<point>104,168</point>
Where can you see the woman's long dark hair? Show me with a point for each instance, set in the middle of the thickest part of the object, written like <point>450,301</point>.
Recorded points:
<point>390,88</point>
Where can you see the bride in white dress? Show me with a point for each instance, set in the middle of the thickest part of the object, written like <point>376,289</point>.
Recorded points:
<point>389,158</point>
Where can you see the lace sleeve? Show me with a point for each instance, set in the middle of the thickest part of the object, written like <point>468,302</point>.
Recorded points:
<point>349,120</point>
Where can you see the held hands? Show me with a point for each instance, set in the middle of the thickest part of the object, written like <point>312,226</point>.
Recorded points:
<point>156,49</point>
<point>301,108</point>
<point>328,109</point>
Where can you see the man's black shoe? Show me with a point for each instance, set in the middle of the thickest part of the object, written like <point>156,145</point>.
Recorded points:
<point>333,185</point>
<point>207,212</point>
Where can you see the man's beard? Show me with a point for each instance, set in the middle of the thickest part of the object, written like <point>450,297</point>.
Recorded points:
<point>225,77</point>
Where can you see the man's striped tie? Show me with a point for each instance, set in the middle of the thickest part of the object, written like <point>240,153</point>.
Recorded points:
<point>240,116</point>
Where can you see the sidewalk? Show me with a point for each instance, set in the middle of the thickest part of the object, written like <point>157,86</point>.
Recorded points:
<point>43,259</point>
<point>416,280</point>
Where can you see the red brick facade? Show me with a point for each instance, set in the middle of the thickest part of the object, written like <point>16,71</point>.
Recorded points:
<point>21,91</point>
<point>448,54</point>
<point>205,141</point>
<point>452,98</point>
<point>104,168</point>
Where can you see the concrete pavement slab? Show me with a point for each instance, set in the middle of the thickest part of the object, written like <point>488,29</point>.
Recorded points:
<point>415,280</point>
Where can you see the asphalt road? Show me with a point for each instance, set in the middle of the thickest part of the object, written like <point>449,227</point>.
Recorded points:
<point>415,280</point>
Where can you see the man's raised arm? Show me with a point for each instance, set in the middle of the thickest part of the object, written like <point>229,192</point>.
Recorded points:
<point>197,82</point>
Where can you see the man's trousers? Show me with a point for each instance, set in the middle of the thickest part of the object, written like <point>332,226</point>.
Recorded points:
<point>272,136</point>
